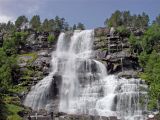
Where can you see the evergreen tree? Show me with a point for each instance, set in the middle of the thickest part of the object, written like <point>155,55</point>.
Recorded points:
<point>115,20</point>
<point>80,26</point>
<point>20,21</point>
<point>45,25</point>
<point>74,27</point>
<point>51,25</point>
<point>157,21</point>
<point>35,22</point>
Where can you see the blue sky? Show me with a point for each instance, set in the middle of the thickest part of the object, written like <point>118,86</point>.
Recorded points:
<point>90,12</point>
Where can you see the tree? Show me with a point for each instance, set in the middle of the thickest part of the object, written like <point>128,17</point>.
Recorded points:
<point>9,46</point>
<point>45,25</point>
<point>74,27</point>
<point>152,76</point>
<point>157,20</point>
<point>80,26</point>
<point>20,21</point>
<point>145,20</point>
<point>66,26</point>
<point>57,24</point>
<point>13,43</point>
<point>51,38</point>
<point>6,66</point>
<point>124,18</point>
<point>51,24</point>
<point>115,19</point>
<point>35,22</point>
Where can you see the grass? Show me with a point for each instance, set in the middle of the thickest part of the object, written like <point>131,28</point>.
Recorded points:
<point>33,56</point>
<point>13,112</point>
<point>18,88</point>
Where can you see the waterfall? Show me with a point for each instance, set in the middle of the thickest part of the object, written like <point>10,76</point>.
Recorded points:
<point>86,88</point>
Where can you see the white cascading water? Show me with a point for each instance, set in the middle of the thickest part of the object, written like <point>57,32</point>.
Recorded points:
<point>86,88</point>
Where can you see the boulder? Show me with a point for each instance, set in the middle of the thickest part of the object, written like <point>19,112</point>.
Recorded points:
<point>101,31</point>
<point>42,64</point>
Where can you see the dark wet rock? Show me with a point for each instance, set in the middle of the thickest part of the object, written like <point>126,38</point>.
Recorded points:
<point>22,113</point>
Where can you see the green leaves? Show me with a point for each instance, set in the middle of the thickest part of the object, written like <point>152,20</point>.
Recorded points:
<point>51,38</point>
<point>6,66</point>
<point>124,18</point>
<point>13,42</point>
<point>20,21</point>
<point>147,47</point>
<point>151,64</point>
<point>35,22</point>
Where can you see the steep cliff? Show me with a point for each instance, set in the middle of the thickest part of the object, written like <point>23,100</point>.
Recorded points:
<point>114,50</point>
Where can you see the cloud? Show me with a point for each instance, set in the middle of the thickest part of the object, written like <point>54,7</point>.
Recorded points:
<point>33,9</point>
<point>11,9</point>
<point>5,19</point>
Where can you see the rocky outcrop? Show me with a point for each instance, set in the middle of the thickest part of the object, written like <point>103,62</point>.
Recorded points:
<point>42,63</point>
<point>33,67</point>
<point>113,49</point>
<point>37,41</point>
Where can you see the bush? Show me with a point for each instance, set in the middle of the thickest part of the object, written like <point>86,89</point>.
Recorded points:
<point>7,65</point>
<point>51,38</point>
<point>13,42</point>
<point>152,76</point>
<point>123,31</point>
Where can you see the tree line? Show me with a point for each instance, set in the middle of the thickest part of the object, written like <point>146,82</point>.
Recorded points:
<point>125,18</point>
<point>57,23</point>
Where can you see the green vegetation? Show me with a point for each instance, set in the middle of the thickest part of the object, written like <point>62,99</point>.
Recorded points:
<point>12,43</point>
<point>80,26</point>
<point>51,38</point>
<point>7,65</point>
<point>35,22</point>
<point>31,57</point>
<point>123,31</point>
<point>13,112</point>
<point>124,18</point>
<point>148,49</point>
<point>20,21</point>
<point>9,105</point>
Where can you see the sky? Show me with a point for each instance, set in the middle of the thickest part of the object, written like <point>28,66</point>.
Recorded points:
<point>92,13</point>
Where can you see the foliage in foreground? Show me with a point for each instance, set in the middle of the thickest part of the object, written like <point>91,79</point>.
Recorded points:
<point>148,49</point>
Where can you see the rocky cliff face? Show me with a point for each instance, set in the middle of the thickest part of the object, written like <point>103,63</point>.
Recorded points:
<point>113,49</point>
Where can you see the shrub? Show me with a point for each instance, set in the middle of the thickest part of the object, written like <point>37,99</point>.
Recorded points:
<point>51,38</point>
